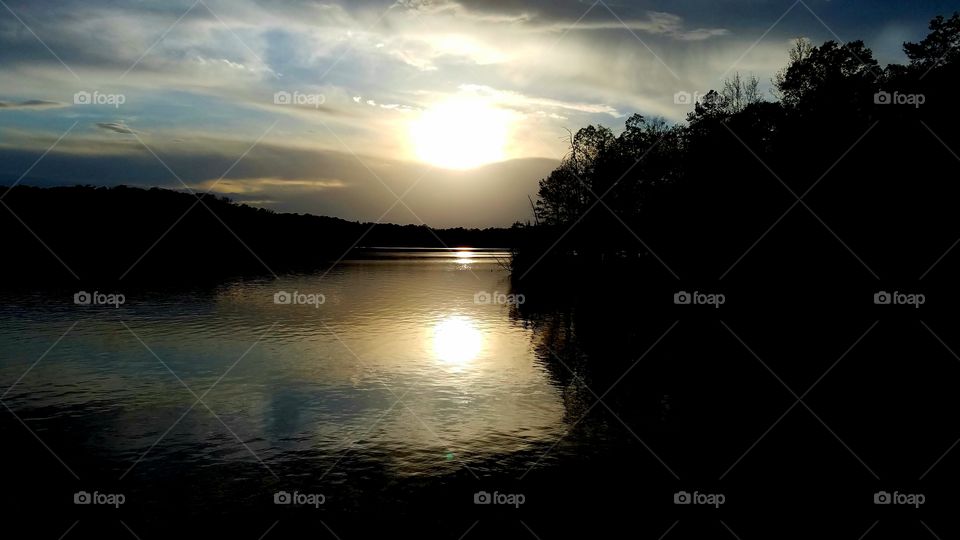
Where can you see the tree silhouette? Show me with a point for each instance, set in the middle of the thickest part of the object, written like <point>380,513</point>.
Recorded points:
<point>739,93</point>
<point>940,48</point>
<point>698,193</point>
<point>160,236</point>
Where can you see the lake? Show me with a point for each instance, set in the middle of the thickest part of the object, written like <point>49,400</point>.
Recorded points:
<point>409,390</point>
<point>393,367</point>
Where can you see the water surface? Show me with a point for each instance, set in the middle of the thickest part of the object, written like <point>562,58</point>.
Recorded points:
<point>411,366</point>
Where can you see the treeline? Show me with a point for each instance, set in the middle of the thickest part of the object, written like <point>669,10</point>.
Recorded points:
<point>864,158</point>
<point>154,235</point>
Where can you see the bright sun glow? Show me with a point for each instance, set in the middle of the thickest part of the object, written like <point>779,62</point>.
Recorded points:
<point>461,133</point>
<point>464,256</point>
<point>456,340</point>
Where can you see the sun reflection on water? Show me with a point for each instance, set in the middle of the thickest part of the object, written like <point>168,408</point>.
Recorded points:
<point>464,256</point>
<point>456,340</point>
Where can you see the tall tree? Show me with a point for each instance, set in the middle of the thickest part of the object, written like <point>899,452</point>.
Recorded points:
<point>830,76</point>
<point>940,47</point>
<point>738,93</point>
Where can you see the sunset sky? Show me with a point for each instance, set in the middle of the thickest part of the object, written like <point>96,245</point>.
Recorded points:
<point>463,103</point>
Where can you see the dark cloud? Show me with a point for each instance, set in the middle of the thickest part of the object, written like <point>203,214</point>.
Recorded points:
<point>32,104</point>
<point>300,180</point>
<point>80,41</point>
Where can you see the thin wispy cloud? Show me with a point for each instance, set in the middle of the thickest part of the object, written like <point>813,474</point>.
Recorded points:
<point>116,127</point>
<point>32,104</point>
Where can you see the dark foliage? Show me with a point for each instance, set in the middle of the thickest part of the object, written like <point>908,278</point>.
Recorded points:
<point>871,166</point>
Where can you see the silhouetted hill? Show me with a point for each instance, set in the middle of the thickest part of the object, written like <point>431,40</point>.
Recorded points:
<point>148,235</point>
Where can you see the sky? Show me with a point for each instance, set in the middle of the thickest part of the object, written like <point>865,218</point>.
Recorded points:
<point>444,112</point>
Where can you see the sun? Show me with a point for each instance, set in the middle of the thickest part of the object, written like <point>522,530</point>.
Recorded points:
<point>461,133</point>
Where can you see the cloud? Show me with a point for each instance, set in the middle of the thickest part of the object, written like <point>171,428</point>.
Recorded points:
<point>35,104</point>
<point>563,17</point>
<point>701,34</point>
<point>524,103</point>
<point>116,127</point>
<point>655,23</point>
<point>246,186</point>
<point>340,184</point>
<point>492,11</point>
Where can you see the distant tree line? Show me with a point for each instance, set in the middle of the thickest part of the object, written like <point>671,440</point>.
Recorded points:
<point>102,234</point>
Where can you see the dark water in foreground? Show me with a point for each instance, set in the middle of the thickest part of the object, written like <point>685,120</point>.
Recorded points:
<point>414,390</point>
